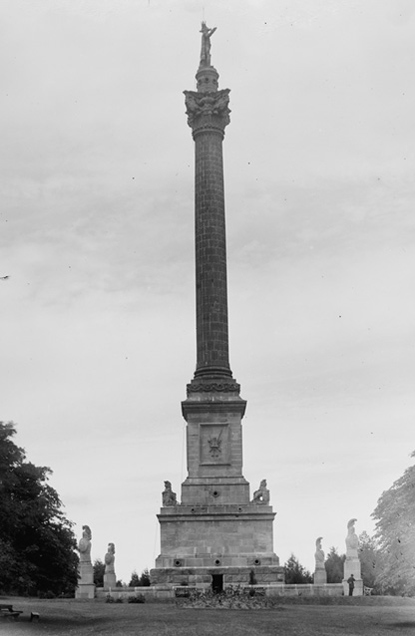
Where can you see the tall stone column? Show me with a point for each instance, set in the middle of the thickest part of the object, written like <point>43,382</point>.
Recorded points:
<point>215,536</point>
<point>213,409</point>
<point>208,115</point>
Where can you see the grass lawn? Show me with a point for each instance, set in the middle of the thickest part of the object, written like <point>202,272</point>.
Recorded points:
<point>371,616</point>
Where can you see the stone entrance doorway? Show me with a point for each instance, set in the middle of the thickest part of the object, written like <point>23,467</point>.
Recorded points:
<point>217,583</point>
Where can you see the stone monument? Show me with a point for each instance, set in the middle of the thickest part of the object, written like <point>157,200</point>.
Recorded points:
<point>86,587</point>
<point>320,574</point>
<point>110,579</point>
<point>216,535</point>
<point>352,562</point>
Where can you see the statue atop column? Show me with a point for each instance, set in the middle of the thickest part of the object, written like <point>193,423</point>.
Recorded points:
<point>352,562</point>
<point>109,574</point>
<point>86,587</point>
<point>320,574</point>
<point>205,50</point>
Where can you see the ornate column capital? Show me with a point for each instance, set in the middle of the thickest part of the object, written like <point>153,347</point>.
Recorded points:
<point>207,111</point>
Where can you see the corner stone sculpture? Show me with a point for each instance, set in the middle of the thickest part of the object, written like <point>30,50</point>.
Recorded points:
<point>110,579</point>
<point>86,587</point>
<point>169,497</point>
<point>320,574</point>
<point>261,496</point>
<point>352,562</point>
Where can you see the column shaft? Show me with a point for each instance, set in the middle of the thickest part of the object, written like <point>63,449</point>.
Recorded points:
<point>211,278</point>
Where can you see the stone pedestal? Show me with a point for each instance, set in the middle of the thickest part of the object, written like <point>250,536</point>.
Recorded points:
<point>320,576</point>
<point>110,580</point>
<point>216,535</point>
<point>199,541</point>
<point>86,587</point>
<point>352,566</point>
<point>205,577</point>
<point>85,590</point>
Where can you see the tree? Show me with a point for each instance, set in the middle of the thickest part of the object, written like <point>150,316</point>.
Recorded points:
<point>135,580</point>
<point>140,581</point>
<point>296,573</point>
<point>334,565</point>
<point>99,571</point>
<point>369,559</point>
<point>395,534</point>
<point>36,540</point>
<point>145,578</point>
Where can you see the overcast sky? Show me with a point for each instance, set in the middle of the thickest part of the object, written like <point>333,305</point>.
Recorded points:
<point>97,334</point>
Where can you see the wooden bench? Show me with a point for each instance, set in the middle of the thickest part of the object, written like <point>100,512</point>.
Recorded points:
<point>7,611</point>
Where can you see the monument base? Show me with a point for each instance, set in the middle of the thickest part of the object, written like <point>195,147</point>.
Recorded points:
<point>86,587</point>
<point>217,578</point>
<point>358,587</point>
<point>352,566</point>
<point>320,577</point>
<point>110,580</point>
<point>86,573</point>
<point>85,590</point>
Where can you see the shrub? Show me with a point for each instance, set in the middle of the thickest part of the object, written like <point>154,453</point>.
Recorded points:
<point>138,598</point>
<point>47,594</point>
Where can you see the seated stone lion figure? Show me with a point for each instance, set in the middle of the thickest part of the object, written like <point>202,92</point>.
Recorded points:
<point>169,497</point>
<point>261,496</point>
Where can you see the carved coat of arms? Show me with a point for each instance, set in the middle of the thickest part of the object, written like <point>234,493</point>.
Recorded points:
<point>215,446</point>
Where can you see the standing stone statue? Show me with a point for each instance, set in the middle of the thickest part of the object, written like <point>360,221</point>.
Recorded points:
<point>109,574</point>
<point>261,496</point>
<point>84,545</point>
<point>169,497</point>
<point>320,574</point>
<point>352,562</point>
<point>86,587</point>
<point>205,50</point>
<point>352,541</point>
